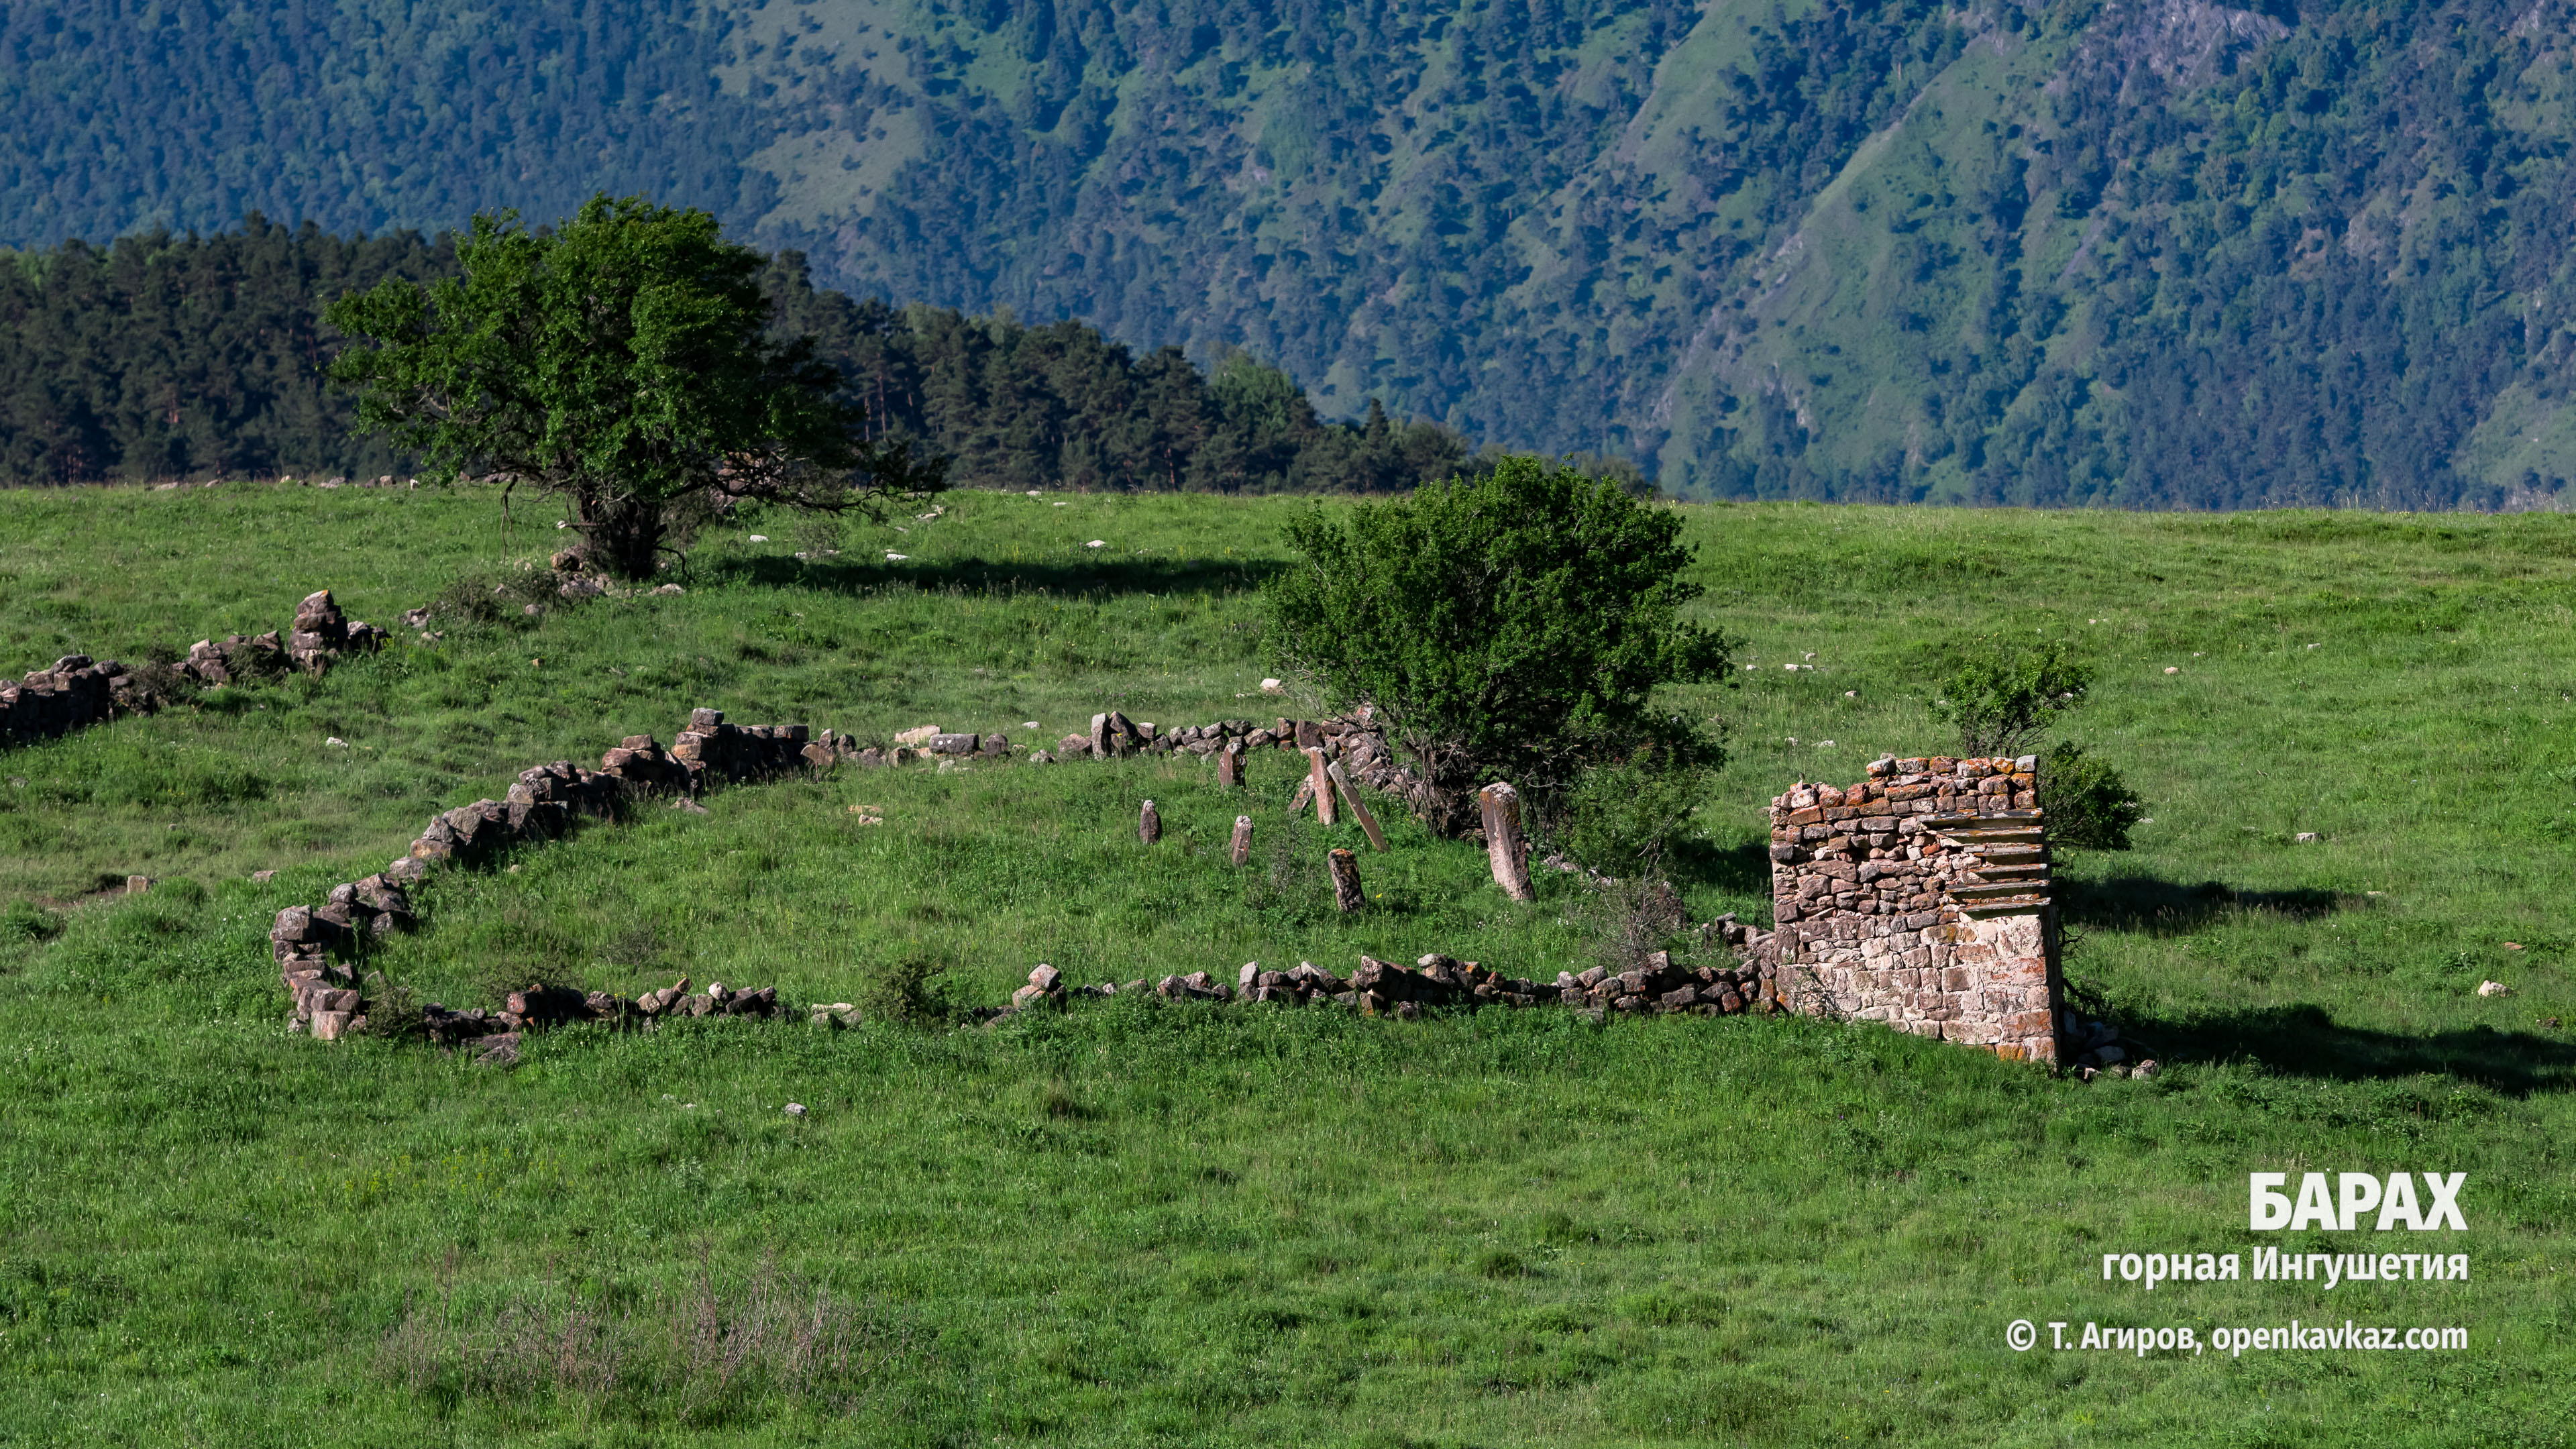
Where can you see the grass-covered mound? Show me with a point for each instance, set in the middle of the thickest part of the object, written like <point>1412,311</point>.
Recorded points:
<point>1187,1224</point>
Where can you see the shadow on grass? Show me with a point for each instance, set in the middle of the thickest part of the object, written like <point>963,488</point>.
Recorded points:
<point>975,575</point>
<point>1744,869</point>
<point>2304,1041</point>
<point>2171,908</point>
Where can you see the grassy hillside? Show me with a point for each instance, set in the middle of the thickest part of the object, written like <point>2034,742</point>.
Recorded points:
<point>2310,252</point>
<point>1145,1224</point>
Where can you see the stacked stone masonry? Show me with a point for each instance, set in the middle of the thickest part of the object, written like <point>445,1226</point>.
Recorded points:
<point>313,944</point>
<point>78,692</point>
<point>1919,897</point>
<point>1384,988</point>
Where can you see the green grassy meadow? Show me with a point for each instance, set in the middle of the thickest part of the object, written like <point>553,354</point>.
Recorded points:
<point>1140,1223</point>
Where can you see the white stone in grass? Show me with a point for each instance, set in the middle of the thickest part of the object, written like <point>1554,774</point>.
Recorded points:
<point>2494,988</point>
<point>1028,724</point>
<point>1097,543</point>
<point>2307,837</point>
<point>893,557</point>
<point>795,1109</point>
<point>2173,669</point>
<point>1273,686</point>
<point>1824,744</point>
<point>760,538</point>
<point>335,742</point>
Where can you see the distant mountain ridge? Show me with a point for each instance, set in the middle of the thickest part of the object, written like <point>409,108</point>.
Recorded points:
<point>2164,254</point>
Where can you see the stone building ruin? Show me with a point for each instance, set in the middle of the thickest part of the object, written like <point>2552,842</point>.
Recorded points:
<point>1919,897</point>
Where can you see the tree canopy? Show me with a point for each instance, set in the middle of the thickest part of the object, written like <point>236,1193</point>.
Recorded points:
<point>622,359</point>
<point>1513,625</point>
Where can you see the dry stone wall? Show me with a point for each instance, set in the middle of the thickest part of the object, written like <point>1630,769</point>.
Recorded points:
<point>77,691</point>
<point>1920,897</point>
<point>1660,987</point>
<point>313,945</point>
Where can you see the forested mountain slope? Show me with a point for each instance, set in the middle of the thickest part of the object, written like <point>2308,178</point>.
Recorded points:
<point>167,356</point>
<point>2096,251</point>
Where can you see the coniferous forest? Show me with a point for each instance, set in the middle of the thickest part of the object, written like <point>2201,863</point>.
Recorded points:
<point>2074,252</point>
<point>165,356</point>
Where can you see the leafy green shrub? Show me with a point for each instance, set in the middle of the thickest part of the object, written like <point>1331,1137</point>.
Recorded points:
<point>1507,626</point>
<point>486,599</point>
<point>1624,817</point>
<point>2085,802</point>
<point>1292,887</point>
<point>906,989</point>
<point>2004,693</point>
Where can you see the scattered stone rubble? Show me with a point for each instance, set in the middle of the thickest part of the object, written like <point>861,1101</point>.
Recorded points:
<point>1919,897</point>
<point>1352,740</point>
<point>75,693</point>
<point>1661,986</point>
<point>494,1036</point>
<point>2104,1054</point>
<point>320,636</point>
<point>78,692</point>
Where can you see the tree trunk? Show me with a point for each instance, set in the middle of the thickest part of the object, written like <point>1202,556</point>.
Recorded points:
<point>1347,895</point>
<point>1503,847</point>
<point>625,534</point>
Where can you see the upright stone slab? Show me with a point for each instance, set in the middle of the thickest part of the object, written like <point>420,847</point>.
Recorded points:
<point>1920,897</point>
<point>1345,868</point>
<point>1321,785</point>
<point>1505,851</point>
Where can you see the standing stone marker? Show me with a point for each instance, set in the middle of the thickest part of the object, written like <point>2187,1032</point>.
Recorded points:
<point>1242,839</point>
<point>1351,797</point>
<point>1323,787</point>
<point>1229,764</point>
<point>1503,847</point>
<point>1149,825</point>
<point>1347,895</point>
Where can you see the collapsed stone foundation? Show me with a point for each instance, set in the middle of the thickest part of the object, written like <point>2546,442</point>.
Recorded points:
<point>312,944</point>
<point>1919,897</point>
<point>1384,988</point>
<point>77,691</point>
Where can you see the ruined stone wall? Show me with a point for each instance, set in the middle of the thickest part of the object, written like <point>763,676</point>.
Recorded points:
<point>78,692</point>
<point>1919,897</point>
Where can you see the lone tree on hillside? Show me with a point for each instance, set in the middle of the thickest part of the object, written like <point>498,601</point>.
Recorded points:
<point>1510,626</point>
<point>620,360</point>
